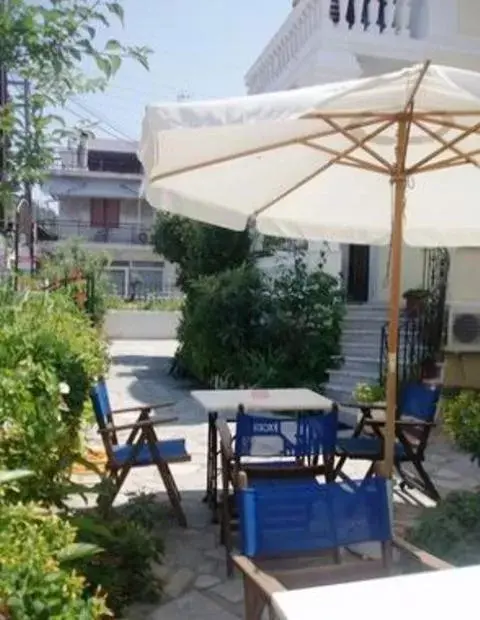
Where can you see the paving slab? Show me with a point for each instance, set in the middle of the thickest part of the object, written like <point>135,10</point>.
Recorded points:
<point>194,565</point>
<point>192,606</point>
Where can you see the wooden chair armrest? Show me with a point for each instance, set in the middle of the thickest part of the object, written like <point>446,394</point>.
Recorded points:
<point>425,558</point>
<point>143,408</point>
<point>399,423</point>
<point>362,406</point>
<point>110,428</point>
<point>267,584</point>
<point>225,439</point>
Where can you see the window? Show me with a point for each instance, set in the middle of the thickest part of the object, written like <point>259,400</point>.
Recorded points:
<point>105,213</point>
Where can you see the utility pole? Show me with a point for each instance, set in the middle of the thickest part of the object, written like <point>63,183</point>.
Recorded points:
<point>3,138</point>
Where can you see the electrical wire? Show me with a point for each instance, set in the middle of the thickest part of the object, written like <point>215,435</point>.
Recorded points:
<point>102,119</point>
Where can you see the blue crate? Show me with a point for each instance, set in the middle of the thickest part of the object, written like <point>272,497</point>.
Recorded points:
<point>302,435</point>
<point>299,517</point>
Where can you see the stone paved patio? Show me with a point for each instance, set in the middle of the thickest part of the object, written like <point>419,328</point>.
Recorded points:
<point>194,568</point>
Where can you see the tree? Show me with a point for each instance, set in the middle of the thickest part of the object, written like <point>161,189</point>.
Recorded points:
<point>199,249</point>
<point>46,44</point>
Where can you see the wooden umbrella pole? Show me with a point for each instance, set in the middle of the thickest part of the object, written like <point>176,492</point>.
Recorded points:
<point>399,182</point>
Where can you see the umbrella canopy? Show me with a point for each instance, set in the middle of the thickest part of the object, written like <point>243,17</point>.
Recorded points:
<point>346,162</point>
<point>317,162</point>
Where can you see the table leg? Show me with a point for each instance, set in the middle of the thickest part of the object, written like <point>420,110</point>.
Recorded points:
<point>210,497</point>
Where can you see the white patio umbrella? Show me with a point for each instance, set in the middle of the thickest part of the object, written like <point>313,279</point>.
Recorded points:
<point>345,162</point>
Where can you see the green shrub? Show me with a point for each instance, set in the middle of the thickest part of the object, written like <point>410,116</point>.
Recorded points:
<point>36,579</point>
<point>451,530</point>
<point>72,257</point>
<point>44,340</point>
<point>124,569</point>
<point>245,328</point>
<point>461,416</point>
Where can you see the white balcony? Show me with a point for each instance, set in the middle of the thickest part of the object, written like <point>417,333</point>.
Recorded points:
<point>325,40</point>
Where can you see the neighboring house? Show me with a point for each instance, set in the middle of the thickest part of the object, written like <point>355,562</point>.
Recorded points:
<point>97,185</point>
<point>322,41</point>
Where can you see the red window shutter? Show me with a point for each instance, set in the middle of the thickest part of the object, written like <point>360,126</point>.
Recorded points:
<point>112,213</point>
<point>97,213</point>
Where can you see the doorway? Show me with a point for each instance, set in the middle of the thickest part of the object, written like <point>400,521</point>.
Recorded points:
<point>358,273</point>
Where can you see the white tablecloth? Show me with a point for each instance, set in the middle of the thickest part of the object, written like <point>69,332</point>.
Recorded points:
<point>442,595</point>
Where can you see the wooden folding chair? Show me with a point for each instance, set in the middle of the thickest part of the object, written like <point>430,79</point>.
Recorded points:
<point>142,447</point>
<point>415,420</point>
<point>301,535</point>
<point>299,442</point>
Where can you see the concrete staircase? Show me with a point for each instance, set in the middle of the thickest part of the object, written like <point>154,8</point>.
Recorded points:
<point>360,349</point>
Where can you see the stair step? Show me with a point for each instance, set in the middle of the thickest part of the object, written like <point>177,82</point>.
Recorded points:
<point>353,376</point>
<point>352,363</point>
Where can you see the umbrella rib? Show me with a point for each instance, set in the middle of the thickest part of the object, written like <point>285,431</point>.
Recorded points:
<point>323,168</point>
<point>445,147</point>
<point>256,151</point>
<point>452,161</point>
<point>358,143</point>
<point>353,161</point>
<point>465,157</point>
<point>416,86</point>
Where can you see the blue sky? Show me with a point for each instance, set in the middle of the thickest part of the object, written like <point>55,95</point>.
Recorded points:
<point>201,47</point>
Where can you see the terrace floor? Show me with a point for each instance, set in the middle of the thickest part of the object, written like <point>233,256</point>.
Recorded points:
<point>194,567</point>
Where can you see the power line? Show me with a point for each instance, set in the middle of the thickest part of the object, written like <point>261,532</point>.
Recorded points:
<point>103,119</point>
<point>88,120</point>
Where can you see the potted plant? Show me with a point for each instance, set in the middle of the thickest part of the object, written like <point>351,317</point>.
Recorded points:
<point>415,301</point>
<point>368,393</point>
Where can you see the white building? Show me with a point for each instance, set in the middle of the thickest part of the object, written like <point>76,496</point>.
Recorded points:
<point>328,40</point>
<point>322,41</point>
<point>96,185</point>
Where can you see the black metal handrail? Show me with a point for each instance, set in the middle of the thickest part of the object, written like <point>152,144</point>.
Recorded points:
<point>421,338</point>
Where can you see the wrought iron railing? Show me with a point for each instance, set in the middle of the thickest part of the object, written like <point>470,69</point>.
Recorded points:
<point>421,338</point>
<point>135,234</point>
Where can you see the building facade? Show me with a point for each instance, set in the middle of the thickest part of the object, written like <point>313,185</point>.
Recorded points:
<point>96,185</point>
<point>332,40</point>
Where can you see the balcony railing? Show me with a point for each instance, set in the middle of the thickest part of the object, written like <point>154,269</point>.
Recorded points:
<point>71,159</point>
<point>312,21</point>
<point>134,234</point>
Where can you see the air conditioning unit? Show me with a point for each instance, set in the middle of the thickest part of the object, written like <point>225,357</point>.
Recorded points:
<point>464,328</point>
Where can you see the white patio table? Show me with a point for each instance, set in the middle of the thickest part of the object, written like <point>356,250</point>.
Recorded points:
<point>436,594</point>
<point>292,401</point>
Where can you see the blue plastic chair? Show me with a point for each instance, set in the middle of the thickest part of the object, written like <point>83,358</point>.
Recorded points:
<point>142,447</point>
<point>415,419</point>
<point>299,535</point>
<point>273,450</point>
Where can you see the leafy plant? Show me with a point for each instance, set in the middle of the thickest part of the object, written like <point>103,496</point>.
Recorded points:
<point>198,249</point>
<point>461,417</point>
<point>37,548</point>
<point>47,44</point>
<point>123,570</point>
<point>46,341</point>
<point>72,258</point>
<point>368,393</point>
<point>248,329</point>
<point>451,530</point>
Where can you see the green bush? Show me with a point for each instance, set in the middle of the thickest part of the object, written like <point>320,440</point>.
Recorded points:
<point>451,530</point>
<point>44,340</point>
<point>71,258</point>
<point>244,328</point>
<point>37,581</point>
<point>124,568</point>
<point>461,416</point>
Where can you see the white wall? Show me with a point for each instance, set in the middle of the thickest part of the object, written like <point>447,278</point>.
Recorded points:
<point>412,271</point>
<point>141,325</point>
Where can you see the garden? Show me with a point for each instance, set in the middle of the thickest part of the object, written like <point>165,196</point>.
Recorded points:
<point>56,561</point>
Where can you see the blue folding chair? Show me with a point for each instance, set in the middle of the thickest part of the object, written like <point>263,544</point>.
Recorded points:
<point>415,419</point>
<point>142,447</point>
<point>298,535</point>
<point>272,449</point>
